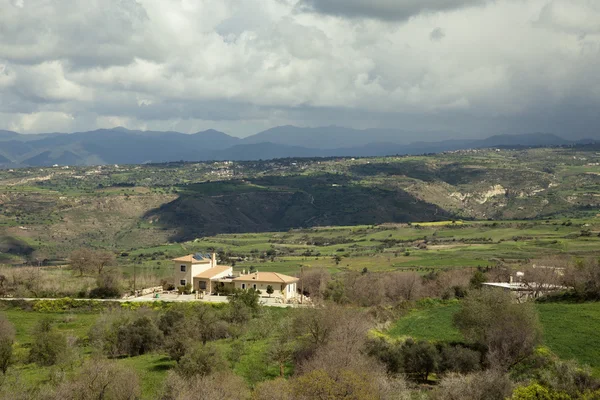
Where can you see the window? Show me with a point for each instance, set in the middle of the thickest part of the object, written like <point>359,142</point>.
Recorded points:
<point>254,286</point>
<point>182,268</point>
<point>243,286</point>
<point>182,282</point>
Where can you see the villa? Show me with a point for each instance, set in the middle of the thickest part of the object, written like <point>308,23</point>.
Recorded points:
<point>204,275</point>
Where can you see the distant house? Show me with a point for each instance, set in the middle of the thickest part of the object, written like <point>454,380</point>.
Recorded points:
<point>200,271</point>
<point>284,286</point>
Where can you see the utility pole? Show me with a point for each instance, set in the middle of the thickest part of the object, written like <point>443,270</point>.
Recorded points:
<point>301,284</point>
<point>134,270</point>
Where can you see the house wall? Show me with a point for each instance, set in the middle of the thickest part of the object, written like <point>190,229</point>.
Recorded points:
<point>178,275</point>
<point>197,281</point>
<point>286,291</point>
<point>190,271</point>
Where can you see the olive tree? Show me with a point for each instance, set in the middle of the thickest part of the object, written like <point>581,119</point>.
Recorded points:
<point>507,330</point>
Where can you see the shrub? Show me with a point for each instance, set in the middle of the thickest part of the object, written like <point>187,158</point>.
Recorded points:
<point>509,331</point>
<point>7,337</point>
<point>108,287</point>
<point>139,337</point>
<point>486,385</point>
<point>48,345</point>
<point>202,361</point>
<point>459,359</point>
<point>535,391</point>
<point>217,386</point>
<point>100,379</point>
<point>419,359</point>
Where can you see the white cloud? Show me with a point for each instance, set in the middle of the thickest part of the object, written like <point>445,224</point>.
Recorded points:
<point>243,66</point>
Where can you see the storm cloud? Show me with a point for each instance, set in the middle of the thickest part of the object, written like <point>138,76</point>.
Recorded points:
<point>473,68</point>
<point>385,9</point>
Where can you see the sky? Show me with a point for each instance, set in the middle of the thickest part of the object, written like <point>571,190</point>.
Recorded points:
<point>466,67</point>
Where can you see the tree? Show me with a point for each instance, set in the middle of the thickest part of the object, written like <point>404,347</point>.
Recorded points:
<point>201,361</point>
<point>275,389</point>
<point>108,286</point>
<point>270,290</point>
<point>459,359</point>
<point>216,386</point>
<point>419,358</point>
<point>82,260</point>
<point>283,345</point>
<point>509,331</point>
<point>7,338</point>
<point>349,385</point>
<point>485,385</point>
<point>477,280</point>
<point>403,286</point>
<point>48,345</point>
<point>139,337</point>
<point>103,259</point>
<point>100,379</point>
<point>243,303</point>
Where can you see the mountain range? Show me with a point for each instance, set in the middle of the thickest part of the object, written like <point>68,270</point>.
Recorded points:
<point>123,146</point>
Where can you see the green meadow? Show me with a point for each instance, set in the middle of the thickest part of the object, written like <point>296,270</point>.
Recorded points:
<point>571,331</point>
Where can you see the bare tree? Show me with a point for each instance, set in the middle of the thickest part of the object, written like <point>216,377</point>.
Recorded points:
<point>314,282</point>
<point>487,385</point>
<point>403,286</point>
<point>218,386</point>
<point>100,379</point>
<point>103,259</point>
<point>82,260</point>
<point>508,330</point>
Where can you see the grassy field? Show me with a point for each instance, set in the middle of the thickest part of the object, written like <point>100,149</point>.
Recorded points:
<point>571,331</point>
<point>389,246</point>
<point>247,354</point>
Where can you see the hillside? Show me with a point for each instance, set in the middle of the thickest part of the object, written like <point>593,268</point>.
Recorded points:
<point>145,205</point>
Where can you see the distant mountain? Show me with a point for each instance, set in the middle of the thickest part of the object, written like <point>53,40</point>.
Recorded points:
<point>4,135</point>
<point>332,137</point>
<point>4,160</point>
<point>124,146</point>
<point>527,139</point>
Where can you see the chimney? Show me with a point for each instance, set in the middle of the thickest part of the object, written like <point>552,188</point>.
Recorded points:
<point>214,259</point>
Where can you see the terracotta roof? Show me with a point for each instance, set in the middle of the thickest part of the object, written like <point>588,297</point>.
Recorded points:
<point>209,273</point>
<point>273,277</point>
<point>190,259</point>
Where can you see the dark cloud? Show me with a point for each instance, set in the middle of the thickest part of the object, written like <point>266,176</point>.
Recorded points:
<point>389,10</point>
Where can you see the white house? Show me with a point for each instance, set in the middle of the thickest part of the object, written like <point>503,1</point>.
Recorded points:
<point>284,286</point>
<point>199,270</point>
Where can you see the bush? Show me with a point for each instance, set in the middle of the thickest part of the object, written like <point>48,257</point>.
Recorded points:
<point>459,359</point>
<point>487,385</point>
<point>139,337</point>
<point>187,289</point>
<point>100,379</point>
<point>509,331</point>
<point>218,386</point>
<point>419,359</point>
<point>108,287</point>
<point>535,391</point>
<point>201,361</point>
<point>48,345</point>
<point>7,338</point>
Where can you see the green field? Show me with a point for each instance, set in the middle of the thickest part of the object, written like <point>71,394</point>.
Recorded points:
<point>249,362</point>
<point>571,331</point>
